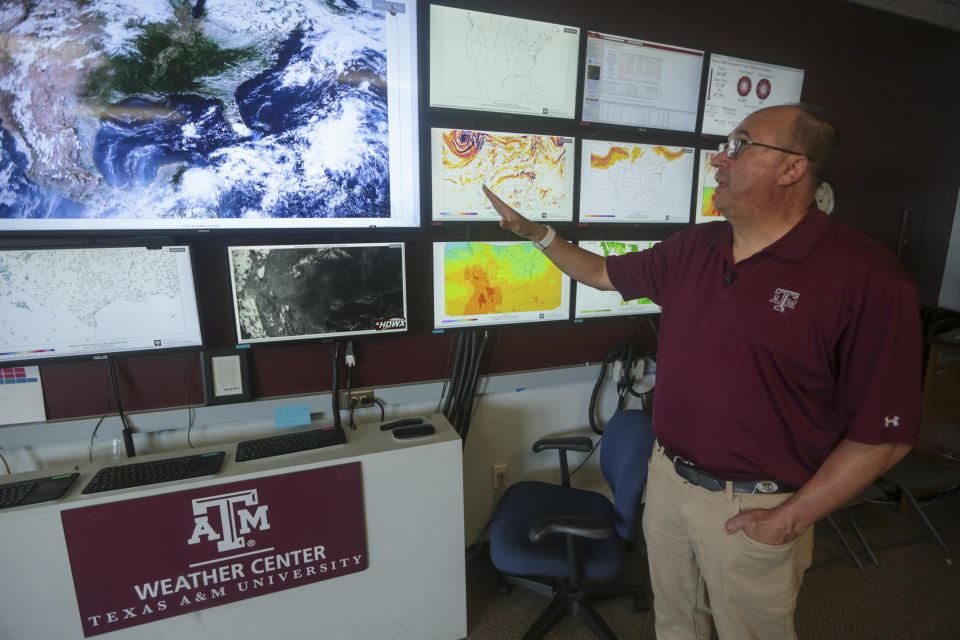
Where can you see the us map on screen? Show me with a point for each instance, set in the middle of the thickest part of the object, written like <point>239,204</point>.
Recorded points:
<point>499,63</point>
<point>121,114</point>
<point>634,182</point>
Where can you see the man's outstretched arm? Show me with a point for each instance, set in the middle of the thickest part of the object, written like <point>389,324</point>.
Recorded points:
<point>580,264</point>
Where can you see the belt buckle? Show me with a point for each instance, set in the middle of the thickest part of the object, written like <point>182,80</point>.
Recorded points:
<point>766,486</point>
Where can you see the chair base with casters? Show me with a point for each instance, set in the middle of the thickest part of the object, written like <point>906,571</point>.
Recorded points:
<point>574,603</point>
<point>569,544</point>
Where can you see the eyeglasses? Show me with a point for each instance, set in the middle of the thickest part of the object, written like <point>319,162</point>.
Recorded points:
<point>734,146</point>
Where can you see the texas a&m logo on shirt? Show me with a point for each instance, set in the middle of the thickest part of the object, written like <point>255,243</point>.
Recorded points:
<point>783,299</point>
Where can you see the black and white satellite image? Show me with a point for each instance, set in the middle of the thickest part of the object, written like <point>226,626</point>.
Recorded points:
<point>317,291</point>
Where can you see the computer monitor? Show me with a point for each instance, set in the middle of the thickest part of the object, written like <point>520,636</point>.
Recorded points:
<point>706,189</point>
<point>593,303</point>
<point>261,116</point>
<point>736,88</point>
<point>93,302</point>
<point>634,182</point>
<point>639,83</point>
<point>487,62</point>
<point>318,291</point>
<point>496,283</point>
<point>531,173</point>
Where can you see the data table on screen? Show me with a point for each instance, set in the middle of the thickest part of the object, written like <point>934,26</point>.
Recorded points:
<point>639,83</point>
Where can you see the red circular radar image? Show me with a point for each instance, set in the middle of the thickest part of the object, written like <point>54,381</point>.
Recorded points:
<point>763,89</point>
<point>743,86</point>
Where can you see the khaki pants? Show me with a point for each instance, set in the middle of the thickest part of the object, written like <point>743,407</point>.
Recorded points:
<point>698,571</point>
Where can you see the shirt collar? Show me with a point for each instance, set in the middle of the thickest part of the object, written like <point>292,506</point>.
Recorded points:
<point>795,245</point>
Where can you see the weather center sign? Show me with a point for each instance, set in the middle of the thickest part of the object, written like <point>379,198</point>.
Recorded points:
<point>142,560</point>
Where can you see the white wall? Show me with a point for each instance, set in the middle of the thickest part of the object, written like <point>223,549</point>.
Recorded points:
<point>514,410</point>
<point>950,284</point>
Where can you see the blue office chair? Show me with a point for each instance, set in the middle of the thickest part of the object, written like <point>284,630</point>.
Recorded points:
<point>571,539</point>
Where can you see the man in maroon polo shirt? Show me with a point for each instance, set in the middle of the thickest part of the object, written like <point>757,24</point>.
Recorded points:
<point>788,377</point>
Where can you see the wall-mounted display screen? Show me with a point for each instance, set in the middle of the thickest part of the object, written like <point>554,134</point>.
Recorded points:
<point>706,189</point>
<point>737,87</point>
<point>640,83</point>
<point>633,182</point>
<point>241,114</point>
<point>531,173</point>
<point>318,291</point>
<point>593,303</point>
<point>488,62</point>
<point>494,283</point>
<point>96,301</point>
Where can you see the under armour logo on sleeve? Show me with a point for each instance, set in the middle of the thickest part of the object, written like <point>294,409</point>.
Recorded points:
<point>891,422</point>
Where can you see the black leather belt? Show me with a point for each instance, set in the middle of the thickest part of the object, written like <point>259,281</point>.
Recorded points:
<point>695,475</point>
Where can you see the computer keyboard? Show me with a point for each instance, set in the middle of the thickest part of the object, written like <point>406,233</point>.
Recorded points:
<point>138,474</point>
<point>15,494</point>
<point>289,443</point>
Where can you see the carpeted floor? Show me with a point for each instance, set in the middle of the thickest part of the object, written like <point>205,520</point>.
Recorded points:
<point>914,593</point>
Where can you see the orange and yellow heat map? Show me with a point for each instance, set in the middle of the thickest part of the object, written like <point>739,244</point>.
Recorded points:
<point>484,278</point>
<point>616,154</point>
<point>528,172</point>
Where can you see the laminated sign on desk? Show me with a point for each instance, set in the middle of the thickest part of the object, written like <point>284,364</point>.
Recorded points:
<point>181,552</point>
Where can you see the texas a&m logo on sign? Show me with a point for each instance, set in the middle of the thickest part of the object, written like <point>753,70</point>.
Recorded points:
<point>235,515</point>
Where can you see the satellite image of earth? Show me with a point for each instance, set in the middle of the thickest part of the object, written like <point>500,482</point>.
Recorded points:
<point>161,109</point>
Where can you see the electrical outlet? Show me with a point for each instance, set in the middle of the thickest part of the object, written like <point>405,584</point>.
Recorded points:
<point>500,475</point>
<point>356,399</point>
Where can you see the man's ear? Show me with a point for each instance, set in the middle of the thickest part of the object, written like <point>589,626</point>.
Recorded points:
<point>795,170</point>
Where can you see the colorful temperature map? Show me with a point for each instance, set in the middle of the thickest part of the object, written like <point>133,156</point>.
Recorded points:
<point>623,182</point>
<point>706,189</point>
<point>486,279</point>
<point>528,172</point>
<point>591,303</point>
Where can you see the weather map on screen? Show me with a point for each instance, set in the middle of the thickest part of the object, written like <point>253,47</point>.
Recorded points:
<point>593,303</point>
<point>737,87</point>
<point>489,62</point>
<point>169,114</point>
<point>706,189</point>
<point>92,301</point>
<point>318,291</point>
<point>640,83</point>
<point>490,283</point>
<point>531,173</point>
<point>633,182</point>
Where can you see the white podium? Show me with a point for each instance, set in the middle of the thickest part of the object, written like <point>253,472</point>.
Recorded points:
<point>412,584</point>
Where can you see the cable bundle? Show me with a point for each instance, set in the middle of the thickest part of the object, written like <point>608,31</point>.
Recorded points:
<point>460,390</point>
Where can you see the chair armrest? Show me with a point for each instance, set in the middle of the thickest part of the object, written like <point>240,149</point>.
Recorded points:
<point>597,527</point>
<point>569,443</point>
